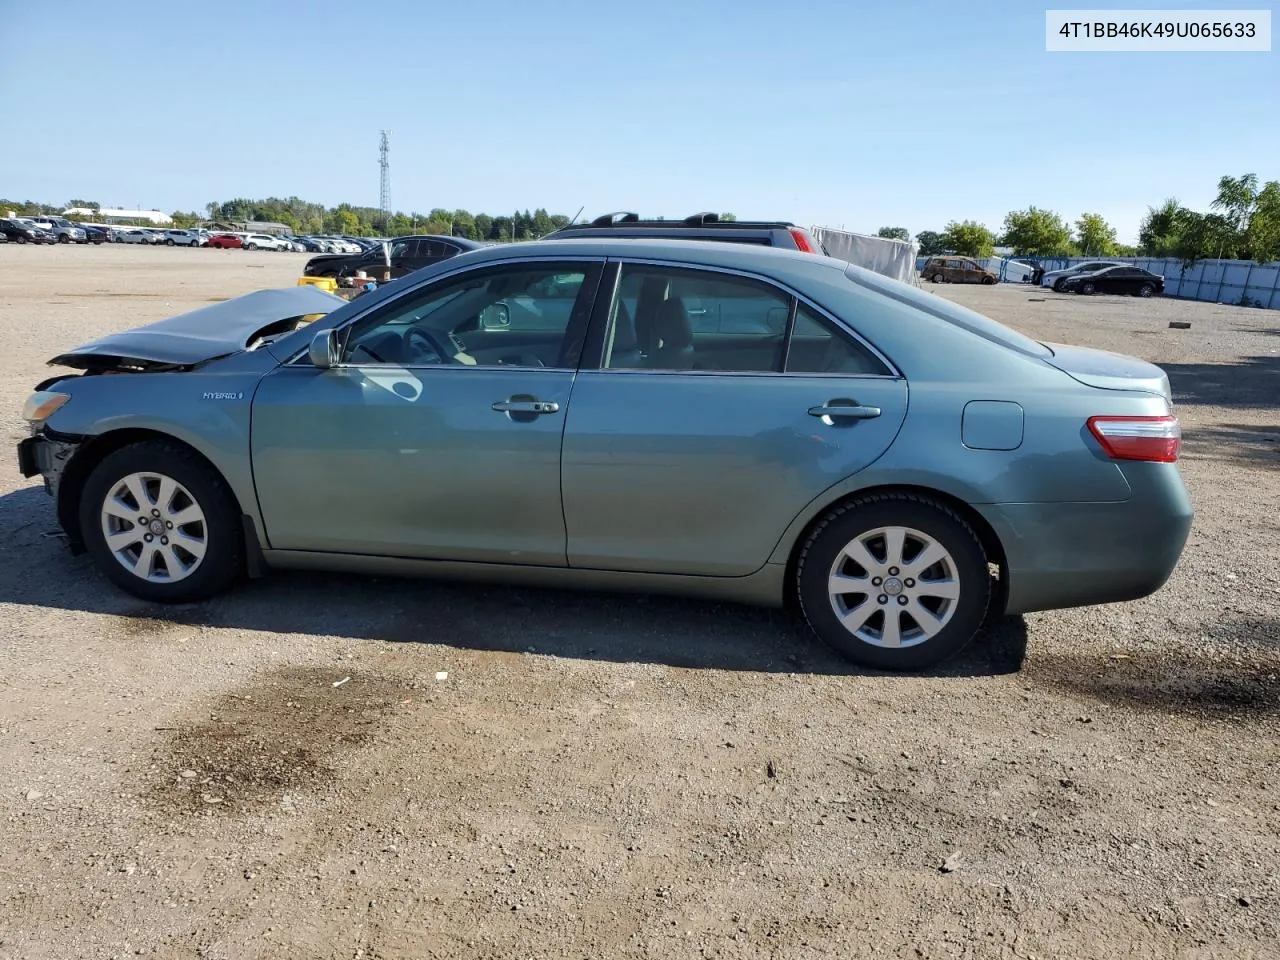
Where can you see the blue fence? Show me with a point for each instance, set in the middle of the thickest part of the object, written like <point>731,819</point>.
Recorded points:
<point>1241,282</point>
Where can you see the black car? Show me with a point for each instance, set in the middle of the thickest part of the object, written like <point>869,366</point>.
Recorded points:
<point>18,232</point>
<point>407,255</point>
<point>700,226</point>
<point>1122,279</point>
<point>95,234</point>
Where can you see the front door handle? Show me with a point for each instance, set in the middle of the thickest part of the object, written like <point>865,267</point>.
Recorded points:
<point>526,406</point>
<point>844,410</point>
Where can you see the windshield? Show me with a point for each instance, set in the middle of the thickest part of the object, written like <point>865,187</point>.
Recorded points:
<point>948,310</point>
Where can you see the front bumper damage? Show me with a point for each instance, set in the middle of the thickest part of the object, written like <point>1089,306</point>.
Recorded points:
<point>47,453</point>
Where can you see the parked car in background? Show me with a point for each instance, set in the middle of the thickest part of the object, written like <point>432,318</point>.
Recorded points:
<point>699,226</point>
<point>1124,279</point>
<point>291,245</point>
<point>261,241</point>
<point>311,245</point>
<point>407,254</point>
<point>760,396</point>
<point>953,269</point>
<point>226,241</point>
<point>63,230</point>
<point>181,238</point>
<point>132,235</point>
<point>96,234</point>
<point>17,231</point>
<point>1056,278</point>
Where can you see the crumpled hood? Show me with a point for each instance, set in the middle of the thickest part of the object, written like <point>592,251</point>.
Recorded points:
<point>213,331</point>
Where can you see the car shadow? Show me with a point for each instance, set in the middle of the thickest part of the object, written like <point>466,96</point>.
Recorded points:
<point>37,570</point>
<point>1248,383</point>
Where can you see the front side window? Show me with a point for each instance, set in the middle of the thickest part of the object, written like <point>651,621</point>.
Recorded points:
<point>516,315</point>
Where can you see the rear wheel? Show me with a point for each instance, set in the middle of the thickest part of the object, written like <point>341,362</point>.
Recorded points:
<point>161,524</point>
<point>251,246</point>
<point>895,581</point>
<point>169,242</point>
<point>1087,289</point>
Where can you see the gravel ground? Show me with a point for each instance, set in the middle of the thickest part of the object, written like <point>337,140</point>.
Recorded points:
<point>628,776</point>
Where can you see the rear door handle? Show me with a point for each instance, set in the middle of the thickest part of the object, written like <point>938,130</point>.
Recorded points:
<point>844,410</point>
<point>526,406</point>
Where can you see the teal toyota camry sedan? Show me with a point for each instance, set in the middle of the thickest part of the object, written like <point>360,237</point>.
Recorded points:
<point>705,418</point>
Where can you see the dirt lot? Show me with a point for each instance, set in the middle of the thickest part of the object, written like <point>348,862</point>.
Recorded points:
<point>604,776</point>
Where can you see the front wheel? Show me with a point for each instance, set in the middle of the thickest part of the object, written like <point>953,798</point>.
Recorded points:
<point>896,582</point>
<point>63,238</point>
<point>1146,290</point>
<point>988,281</point>
<point>161,524</point>
<point>1060,285</point>
<point>936,278</point>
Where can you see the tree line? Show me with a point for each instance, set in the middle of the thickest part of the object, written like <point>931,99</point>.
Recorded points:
<point>1243,223</point>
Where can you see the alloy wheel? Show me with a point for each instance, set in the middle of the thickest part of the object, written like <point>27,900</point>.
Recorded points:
<point>894,587</point>
<point>154,527</point>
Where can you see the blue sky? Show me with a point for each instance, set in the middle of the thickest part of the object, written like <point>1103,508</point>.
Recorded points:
<point>900,113</point>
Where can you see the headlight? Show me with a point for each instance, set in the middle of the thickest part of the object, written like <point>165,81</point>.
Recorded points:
<point>42,404</point>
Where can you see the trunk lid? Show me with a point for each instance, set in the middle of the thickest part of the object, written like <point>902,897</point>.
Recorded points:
<point>1109,371</point>
<point>202,335</point>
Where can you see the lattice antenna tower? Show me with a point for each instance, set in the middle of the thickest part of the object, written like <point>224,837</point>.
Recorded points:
<point>384,161</point>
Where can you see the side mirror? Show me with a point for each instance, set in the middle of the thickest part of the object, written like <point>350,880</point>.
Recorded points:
<point>323,351</point>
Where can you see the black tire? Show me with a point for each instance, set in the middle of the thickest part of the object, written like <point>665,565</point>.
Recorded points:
<point>1060,285</point>
<point>845,524</point>
<point>936,278</point>
<point>169,242</point>
<point>63,238</point>
<point>988,281</point>
<point>1146,290</point>
<point>223,562</point>
<point>21,238</point>
<point>251,246</point>
<point>1087,289</point>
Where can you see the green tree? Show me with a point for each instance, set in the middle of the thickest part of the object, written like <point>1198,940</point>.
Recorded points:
<point>87,204</point>
<point>1035,232</point>
<point>894,233</point>
<point>729,217</point>
<point>1096,237</point>
<point>968,238</point>
<point>930,242</point>
<point>1161,228</point>
<point>1263,232</point>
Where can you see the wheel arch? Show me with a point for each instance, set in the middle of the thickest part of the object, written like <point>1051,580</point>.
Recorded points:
<point>986,534</point>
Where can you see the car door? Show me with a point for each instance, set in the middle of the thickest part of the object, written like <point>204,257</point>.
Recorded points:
<point>1112,280</point>
<point>687,449</point>
<point>418,443</point>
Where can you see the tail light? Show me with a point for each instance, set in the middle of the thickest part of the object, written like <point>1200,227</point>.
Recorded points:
<point>1153,439</point>
<point>804,242</point>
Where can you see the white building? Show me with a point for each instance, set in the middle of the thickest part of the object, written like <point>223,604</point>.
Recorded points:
<point>108,214</point>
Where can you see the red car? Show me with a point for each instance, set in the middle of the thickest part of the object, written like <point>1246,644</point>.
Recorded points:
<point>227,241</point>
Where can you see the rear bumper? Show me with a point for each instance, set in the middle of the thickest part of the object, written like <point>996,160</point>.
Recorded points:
<point>1079,554</point>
